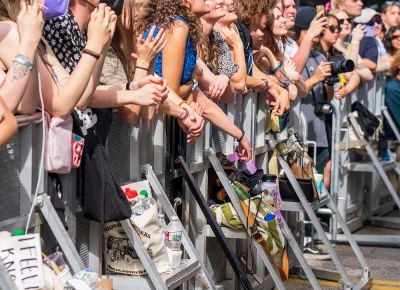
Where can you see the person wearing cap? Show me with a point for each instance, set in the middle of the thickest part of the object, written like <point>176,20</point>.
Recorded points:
<point>368,45</point>
<point>351,7</point>
<point>390,13</point>
<point>314,25</point>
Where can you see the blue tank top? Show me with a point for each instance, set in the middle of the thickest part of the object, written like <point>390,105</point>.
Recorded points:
<point>190,56</point>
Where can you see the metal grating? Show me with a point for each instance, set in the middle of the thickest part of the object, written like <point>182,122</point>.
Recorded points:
<point>82,237</point>
<point>215,260</point>
<point>218,138</point>
<point>9,182</point>
<point>50,241</point>
<point>118,148</point>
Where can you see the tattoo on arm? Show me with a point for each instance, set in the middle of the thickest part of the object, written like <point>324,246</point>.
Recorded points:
<point>19,71</point>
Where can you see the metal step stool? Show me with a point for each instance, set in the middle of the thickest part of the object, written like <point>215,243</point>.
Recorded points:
<point>309,208</point>
<point>210,154</point>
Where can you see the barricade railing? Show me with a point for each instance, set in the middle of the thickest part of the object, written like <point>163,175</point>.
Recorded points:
<point>130,148</point>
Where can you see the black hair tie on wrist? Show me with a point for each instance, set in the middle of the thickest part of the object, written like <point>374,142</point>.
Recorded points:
<point>241,137</point>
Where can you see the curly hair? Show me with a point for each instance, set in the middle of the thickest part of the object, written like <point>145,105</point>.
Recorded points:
<point>160,12</point>
<point>247,9</point>
<point>208,51</point>
<point>387,41</point>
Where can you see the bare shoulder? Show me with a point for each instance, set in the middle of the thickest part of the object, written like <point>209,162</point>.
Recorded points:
<point>178,28</point>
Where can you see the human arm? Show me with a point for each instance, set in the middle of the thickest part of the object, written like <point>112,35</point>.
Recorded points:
<point>321,73</point>
<point>352,84</point>
<point>295,78</point>
<point>317,26</point>
<point>232,38</point>
<point>60,99</point>
<point>8,124</point>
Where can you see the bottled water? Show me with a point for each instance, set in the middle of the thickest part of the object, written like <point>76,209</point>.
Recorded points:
<point>139,207</point>
<point>173,234</point>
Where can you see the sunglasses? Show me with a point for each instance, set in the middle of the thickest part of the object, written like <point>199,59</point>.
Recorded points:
<point>349,20</point>
<point>395,37</point>
<point>372,22</point>
<point>333,28</point>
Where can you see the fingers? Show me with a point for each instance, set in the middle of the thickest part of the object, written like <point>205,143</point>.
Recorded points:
<point>150,36</point>
<point>24,8</point>
<point>101,12</point>
<point>159,35</point>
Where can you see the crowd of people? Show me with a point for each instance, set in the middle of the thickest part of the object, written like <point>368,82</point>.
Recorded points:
<point>83,58</point>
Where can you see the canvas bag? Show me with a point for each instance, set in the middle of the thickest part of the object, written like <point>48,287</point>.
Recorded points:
<point>120,256</point>
<point>226,215</point>
<point>58,151</point>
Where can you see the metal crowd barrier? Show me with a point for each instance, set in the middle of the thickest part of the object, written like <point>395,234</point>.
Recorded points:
<point>130,148</point>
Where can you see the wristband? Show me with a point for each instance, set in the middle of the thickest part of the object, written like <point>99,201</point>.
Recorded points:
<point>355,42</point>
<point>91,53</point>
<point>22,60</point>
<point>143,68</point>
<point>183,115</point>
<point>128,87</point>
<point>181,103</point>
<point>195,84</point>
<point>241,137</point>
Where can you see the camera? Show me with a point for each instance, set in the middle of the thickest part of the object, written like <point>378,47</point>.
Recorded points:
<point>322,108</point>
<point>339,66</point>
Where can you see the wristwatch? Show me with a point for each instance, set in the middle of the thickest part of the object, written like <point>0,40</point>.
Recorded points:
<point>19,58</point>
<point>195,84</point>
<point>266,83</point>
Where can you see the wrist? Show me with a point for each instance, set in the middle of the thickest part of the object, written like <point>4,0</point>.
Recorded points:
<point>27,50</point>
<point>94,47</point>
<point>143,63</point>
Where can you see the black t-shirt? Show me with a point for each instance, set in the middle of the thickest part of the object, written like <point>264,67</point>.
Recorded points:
<point>245,36</point>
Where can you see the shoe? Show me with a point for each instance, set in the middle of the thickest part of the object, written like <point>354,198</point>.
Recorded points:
<point>314,253</point>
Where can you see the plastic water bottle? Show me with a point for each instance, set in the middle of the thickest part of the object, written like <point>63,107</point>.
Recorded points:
<point>139,207</point>
<point>146,198</point>
<point>269,188</point>
<point>173,234</point>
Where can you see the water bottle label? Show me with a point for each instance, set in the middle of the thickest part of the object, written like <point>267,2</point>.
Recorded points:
<point>136,214</point>
<point>173,236</point>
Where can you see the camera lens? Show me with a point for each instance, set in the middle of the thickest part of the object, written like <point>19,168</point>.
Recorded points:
<point>343,66</point>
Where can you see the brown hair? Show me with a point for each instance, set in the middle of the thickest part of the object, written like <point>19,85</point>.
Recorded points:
<point>9,10</point>
<point>270,39</point>
<point>394,68</point>
<point>207,54</point>
<point>124,39</point>
<point>247,9</point>
<point>161,12</point>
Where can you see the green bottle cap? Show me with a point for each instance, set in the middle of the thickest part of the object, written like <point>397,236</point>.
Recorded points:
<point>18,233</point>
<point>144,193</point>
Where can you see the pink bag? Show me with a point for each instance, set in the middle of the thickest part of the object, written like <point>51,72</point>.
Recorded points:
<point>58,151</point>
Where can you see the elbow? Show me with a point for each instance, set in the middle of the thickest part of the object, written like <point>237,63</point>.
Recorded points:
<point>81,107</point>
<point>303,93</point>
<point>149,116</point>
<point>240,85</point>
<point>128,116</point>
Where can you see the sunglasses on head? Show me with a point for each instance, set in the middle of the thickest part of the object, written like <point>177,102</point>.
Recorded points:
<point>349,20</point>
<point>332,28</point>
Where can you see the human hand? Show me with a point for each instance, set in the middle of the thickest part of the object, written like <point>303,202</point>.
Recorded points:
<point>197,108</point>
<point>150,95</point>
<point>323,71</point>
<point>278,99</point>
<point>231,37</point>
<point>290,69</point>
<point>358,33</point>
<point>318,25</point>
<point>151,79</point>
<point>30,23</point>
<point>100,28</point>
<point>147,50</point>
<point>218,86</point>
<point>244,150</point>
<point>192,125</point>
<point>340,93</point>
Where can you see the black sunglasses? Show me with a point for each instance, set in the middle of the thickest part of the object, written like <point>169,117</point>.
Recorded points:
<point>349,20</point>
<point>372,22</point>
<point>332,28</point>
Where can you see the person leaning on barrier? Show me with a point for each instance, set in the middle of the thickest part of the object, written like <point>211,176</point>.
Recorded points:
<point>390,12</point>
<point>252,21</point>
<point>271,56</point>
<point>353,8</point>
<point>184,32</point>
<point>18,74</point>
<point>392,97</point>
<point>222,48</point>
<point>8,124</point>
<point>351,50</point>
<point>392,41</point>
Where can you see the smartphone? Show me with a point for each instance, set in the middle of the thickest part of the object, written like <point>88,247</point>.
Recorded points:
<point>320,8</point>
<point>370,31</point>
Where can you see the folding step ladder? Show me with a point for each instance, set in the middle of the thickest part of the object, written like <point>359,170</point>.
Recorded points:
<point>310,208</point>
<point>188,269</point>
<point>210,154</point>
<point>6,283</point>
<point>381,167</point>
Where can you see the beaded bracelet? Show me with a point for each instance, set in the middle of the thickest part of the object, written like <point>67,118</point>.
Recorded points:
<point>185,113</point>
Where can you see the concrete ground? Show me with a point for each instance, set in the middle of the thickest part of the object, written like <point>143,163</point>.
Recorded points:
<point>384,264</point>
